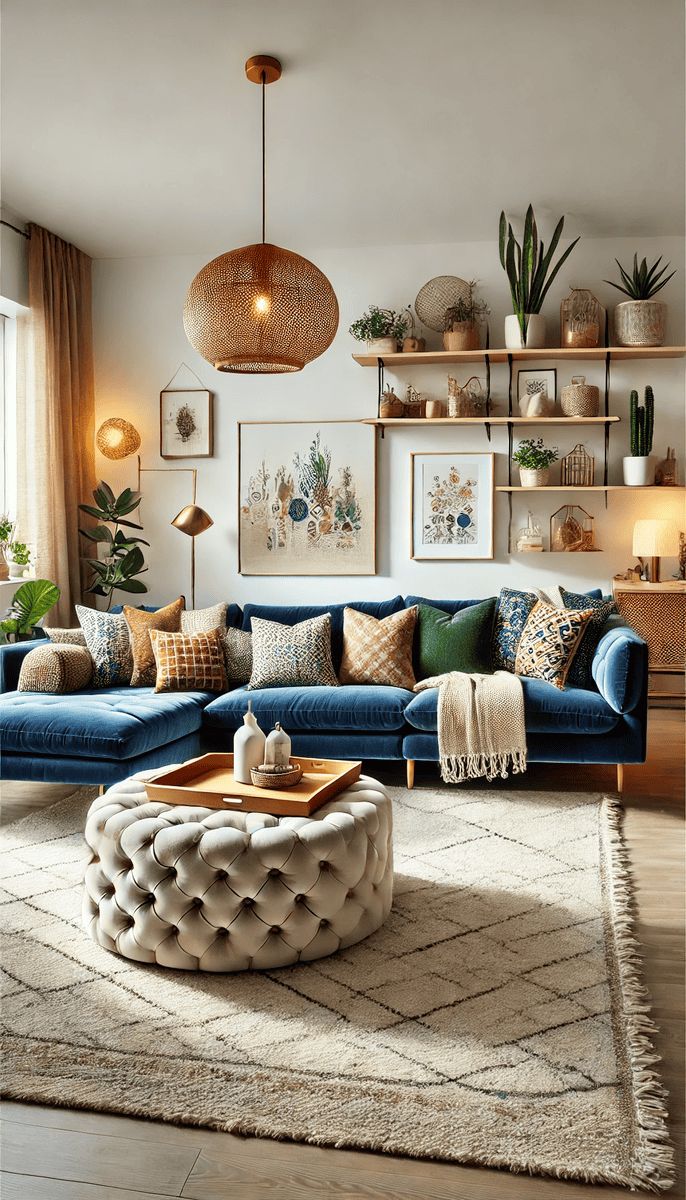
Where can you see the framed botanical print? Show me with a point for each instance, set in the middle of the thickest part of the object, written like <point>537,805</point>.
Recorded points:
<point>307,498</point>
<point>186,424</point>
<point>452,506</point>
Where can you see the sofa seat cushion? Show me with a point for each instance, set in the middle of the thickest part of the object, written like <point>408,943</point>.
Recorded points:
<point>547,709</point>
<point>350,707</point>
<point>120,722</point>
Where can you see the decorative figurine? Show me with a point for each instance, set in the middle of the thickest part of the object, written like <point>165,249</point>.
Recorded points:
<point>665,471</point>
<point>278,748</point>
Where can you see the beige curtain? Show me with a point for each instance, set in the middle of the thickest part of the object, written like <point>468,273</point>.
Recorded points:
<point>55,412</point>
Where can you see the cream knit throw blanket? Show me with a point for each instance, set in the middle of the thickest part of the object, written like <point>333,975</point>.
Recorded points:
<point>480,725</point>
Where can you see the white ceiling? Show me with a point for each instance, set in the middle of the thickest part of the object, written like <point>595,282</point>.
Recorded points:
<point>129,128</point>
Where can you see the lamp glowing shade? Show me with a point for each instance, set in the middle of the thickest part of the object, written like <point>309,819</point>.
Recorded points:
<point>117,438</point>
<point>192,520</point>
<point>655,539</point>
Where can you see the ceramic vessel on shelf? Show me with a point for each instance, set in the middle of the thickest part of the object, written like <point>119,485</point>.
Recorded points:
<point>248,747</point>
<point>580,399</point>
<point>434,409</point>
<point>638,470</point>
<point>580,320</point>
<point>464,335</point>
<point>535,332</point>
<point>529,477</point>
<point>640,323</point>
<point>414,345</point>
<point>539,404</point>
<point>277,751</point>
<point>382,345</point>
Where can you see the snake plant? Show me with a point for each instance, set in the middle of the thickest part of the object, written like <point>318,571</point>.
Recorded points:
<point>643,282</point>
<point>529,266</point>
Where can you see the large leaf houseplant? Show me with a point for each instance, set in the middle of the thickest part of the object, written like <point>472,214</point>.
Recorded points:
<point>122,563</point>
<point>30,604</point>
<point>530,272</point>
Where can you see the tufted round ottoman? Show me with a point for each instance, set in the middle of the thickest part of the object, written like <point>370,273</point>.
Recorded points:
<point>208,890</point>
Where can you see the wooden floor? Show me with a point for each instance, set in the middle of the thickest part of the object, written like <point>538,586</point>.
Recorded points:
<point>58,1154</point>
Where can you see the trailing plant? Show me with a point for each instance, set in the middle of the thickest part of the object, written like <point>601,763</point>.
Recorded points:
<point>532,455</point>
<point>643,282</point>
<point>20,553</point>
<point>124,560</point>
<point>641,422</point>
<point>529,266</point>
<point>380,322</point>
<point>31,602</point>
<point>467,308</point>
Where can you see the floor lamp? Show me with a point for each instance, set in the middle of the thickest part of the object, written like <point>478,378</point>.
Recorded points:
<point>192,520</point>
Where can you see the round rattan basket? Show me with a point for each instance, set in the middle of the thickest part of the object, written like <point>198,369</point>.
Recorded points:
<point>276,779</point>
<point>580,399</point>
<point>437,296</point>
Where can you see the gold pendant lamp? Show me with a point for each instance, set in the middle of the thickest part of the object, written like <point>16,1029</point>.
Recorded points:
<point>260,309</point>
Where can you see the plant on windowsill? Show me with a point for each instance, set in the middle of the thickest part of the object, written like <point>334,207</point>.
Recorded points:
<point>637,466</point>
<point>123,561</point>
<point>19,559</point>
<point>462,320</point>
<point>30,604</point>
<point>528,269</point>
<point>640,320</point>
<point>381,329</point>
<point>6,534</point>
<point>534,461</point>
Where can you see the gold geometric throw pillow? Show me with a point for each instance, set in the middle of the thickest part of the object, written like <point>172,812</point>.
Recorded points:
<point>549,641</point>
<point>378,651</point>
<point>188,662</point>
<point>140,624</point>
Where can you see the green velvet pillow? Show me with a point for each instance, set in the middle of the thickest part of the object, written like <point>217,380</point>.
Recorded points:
<point>455,643</point>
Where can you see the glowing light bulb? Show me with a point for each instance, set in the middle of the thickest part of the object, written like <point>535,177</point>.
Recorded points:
<point>262,305</point>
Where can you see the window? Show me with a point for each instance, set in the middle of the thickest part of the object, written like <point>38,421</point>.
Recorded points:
<point>8,414</point>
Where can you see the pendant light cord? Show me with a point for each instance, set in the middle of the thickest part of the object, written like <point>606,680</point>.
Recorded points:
<point>264,162</point>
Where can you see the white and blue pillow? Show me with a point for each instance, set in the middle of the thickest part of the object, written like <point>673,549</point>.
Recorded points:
<point>107,639</point>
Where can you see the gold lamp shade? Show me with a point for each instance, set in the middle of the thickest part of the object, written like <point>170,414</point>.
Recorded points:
<point>117,438</point>
<point>192,520</point>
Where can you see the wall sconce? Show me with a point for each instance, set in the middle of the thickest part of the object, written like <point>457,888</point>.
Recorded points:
<point>117,438</point>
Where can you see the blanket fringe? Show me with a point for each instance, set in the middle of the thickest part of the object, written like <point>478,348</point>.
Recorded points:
<point>458,768</point>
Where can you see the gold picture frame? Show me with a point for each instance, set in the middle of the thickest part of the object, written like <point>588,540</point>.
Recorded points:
<point>451,506</point>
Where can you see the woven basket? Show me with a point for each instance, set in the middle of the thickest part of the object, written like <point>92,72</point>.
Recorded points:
<point>580,399</point>
<point>276,779</point>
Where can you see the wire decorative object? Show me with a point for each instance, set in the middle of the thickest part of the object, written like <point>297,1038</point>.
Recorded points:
<point>577,469</point>
<point>572,530</point>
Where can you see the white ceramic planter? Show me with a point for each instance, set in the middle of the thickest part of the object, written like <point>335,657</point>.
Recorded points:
<point>385,345</point>
<point>535,332</point>
<point>640,323</point>
<point>17,570</point>
<point>531,478</point>
<point>638,470</point>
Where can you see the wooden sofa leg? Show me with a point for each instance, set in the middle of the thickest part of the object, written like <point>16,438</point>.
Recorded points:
<point>410,773</point>
<point>620,777</point>
<point>102,789</point>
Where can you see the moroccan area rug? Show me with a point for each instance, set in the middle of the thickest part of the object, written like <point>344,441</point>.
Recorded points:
<point>498,1018</point>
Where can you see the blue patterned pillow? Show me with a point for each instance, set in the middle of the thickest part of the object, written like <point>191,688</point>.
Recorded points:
<point>107,639</point>
<point>580,670</point>
<point>511,615</point>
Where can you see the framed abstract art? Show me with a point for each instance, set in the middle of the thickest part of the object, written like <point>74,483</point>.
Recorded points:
<point>451,506</point>
<point>186,426</point>
<point>306,498</point>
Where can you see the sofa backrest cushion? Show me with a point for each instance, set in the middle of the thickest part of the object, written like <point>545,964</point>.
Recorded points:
<point>288,614</point>
<point>446,606</point>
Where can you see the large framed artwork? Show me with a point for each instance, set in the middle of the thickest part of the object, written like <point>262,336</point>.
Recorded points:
<point>452,506</point>
<point>306,498</point>
<point>186,425</point>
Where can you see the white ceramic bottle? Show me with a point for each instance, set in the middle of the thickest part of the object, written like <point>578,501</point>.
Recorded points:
<point>278,749</point>
<point>248,747</point>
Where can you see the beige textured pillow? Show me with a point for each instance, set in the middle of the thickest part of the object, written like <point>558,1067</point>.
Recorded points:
<point>66,637</point>
<point>201,620</point>
<point>188,662</point>
<point>378,651</point>
<point>140,624</point>
<point>237,645</point>
<point>56,669</point>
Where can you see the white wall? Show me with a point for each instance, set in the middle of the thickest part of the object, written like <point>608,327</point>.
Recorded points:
<point>140,343</point>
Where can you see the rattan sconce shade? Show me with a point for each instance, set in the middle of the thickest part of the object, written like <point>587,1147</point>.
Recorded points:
<point>117,438</point>
<point>260,310</point>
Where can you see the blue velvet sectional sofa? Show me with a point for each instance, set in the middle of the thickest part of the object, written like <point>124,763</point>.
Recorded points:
<point>100,736</point>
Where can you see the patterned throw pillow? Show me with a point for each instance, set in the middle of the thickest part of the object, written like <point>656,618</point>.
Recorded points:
<point>292,655</point>
<point>237,645</point>
<point>201,620</point>
<point>580,671</point>
<point>549,641</point>
<point>188,662</point>
<point>107,638</point>
<point>378,651</point>
<point>140,624</point>
<point>66,637</point>
<point>511,614</point>
<point>56,669</point>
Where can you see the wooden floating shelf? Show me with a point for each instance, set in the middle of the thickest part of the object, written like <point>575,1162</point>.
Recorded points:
<point>391,422</point>
<point>596,354</point>
<point>595,487</point>
<point>528,553</point>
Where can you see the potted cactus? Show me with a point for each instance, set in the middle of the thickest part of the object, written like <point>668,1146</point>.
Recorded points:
<point>637,465</point>
<point>534,461</point>
<point>640,320</point>
<point>528,269</point>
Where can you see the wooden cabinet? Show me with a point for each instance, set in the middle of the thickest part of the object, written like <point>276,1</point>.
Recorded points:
<point>658,612</point>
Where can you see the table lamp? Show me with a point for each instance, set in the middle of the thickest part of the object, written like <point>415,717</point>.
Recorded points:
<point>655,539</point>
<point>192,520</point>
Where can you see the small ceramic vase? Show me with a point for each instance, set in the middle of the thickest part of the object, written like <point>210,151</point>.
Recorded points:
<point>434,409</point>
<point>277,751</point>
<point>248,747</point>
<point>535,332</point>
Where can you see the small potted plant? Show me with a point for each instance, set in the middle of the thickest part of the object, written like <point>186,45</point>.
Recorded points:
<point>19,559</point>
<point>30,604</point>
<point>534,461</point>
<point>528,269</point>
<point>6,533</point>
<point>640,320</point>
<point>381,329</point>
<point>637,465</point>
<point>461,329</point>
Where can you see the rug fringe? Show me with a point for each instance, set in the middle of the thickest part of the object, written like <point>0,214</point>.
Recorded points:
<point>653,1163</point>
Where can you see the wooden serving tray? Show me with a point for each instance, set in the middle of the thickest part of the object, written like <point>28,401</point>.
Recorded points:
<point>208,782</point>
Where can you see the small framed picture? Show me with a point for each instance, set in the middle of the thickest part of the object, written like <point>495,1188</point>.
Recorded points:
<point>530,383</point>
<point>452,505</point>
<point>186,425</point>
